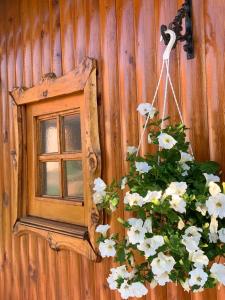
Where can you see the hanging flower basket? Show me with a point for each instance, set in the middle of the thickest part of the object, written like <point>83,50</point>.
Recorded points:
<point>178,209</point>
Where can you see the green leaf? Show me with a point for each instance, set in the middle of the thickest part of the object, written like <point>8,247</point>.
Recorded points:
<point>210,167</point>
<point>121,257</point>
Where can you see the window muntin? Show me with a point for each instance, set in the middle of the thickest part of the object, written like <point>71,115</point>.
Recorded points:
<point>59,156</point>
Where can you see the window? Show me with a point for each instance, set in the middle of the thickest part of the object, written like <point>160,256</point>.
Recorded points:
<point>56,157</point>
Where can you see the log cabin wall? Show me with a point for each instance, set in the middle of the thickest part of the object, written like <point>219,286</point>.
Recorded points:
<point>41,36</point>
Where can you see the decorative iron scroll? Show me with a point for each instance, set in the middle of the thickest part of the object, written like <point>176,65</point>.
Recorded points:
<point>176,25</point>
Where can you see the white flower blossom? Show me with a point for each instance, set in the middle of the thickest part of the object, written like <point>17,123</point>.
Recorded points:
<point>123,183</point>
<point>146,108</point>
<point>214,188</point>
<point>191,238</point>
<point>185,285</point>
<point>117,273</point>
<point>185,157</point>
<point>162,263</point>
<point>126,290</point>
<point>142,167</point>
<point>150,245</point>
<point>162,279</point>
<point>221,233</point>
<point>152,196</point>
<point>216,205</point>
<point>107,248</point>
<point>136,233</point>
<point>131,149</point>
<point>99,185</point>
<point>198,277</point>
<point>139,290</point>
<point>201,207</point>
<point>218,272</point>
<point>180,224</point>
<point>133,199</point>
<point>148,225</point>
<point>198,258</point>
<point>166,141</point>
<point>178,204</point>
<point>213,237</point>
<point>213,227</point>
<point>98,197</point>
<point>176,188</point>
<point>211,177</point>
<point>102,229</point>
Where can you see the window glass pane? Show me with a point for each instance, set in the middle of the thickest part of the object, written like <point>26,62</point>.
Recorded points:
<point>50,178</point>
<point>71,133</point>
<point>73,178</point>
<point>48,136</point>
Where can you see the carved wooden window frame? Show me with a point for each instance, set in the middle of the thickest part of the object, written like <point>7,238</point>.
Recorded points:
<point>58,234</point>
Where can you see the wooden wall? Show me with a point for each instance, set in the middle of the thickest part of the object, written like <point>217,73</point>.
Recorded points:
<point>39,36</point>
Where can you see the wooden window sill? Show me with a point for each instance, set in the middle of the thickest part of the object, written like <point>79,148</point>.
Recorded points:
<point>59,235</point>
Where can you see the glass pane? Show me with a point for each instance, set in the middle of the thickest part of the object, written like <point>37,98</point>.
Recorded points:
<point>50,178</point>
<point>73,178</point>
<point>48,136</point>
<point>72,133</point>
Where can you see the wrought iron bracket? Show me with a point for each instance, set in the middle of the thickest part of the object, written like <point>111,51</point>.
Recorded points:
<point>176,25</point>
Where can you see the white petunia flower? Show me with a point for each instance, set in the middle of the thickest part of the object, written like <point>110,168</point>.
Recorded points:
<point>198,258</point>
<point>180,224</point>
<point>148,225</point>
<point>200,207</point>
<point>131,149</point>
<point>198,277</point>
<point>107,248</point>
<point>142,167</point>
<point>133,199</point>
<point>162,279</point>
<point>117,273</point>
<point>211,177</point>
<point>176,188</point>
<point>98,197</point>
<point>146,108</point>
<point>178,204</point>
<point>185,285</point>
<point>123,183</point>
<point>191,238</point>
<point>102,229</point>
<point>185,157</point>
<point>162,263</point>
<point>136,233</point>
<point>139,289</point>
<point>150,245</point>
<point>126,290</point>
<point>213,227</point>
<point>153,284</point>
<point>99,185</point>
<point>213,237</point>
<point>152,196</point>
<point>214,188</point>
<point>218,272</point>
<point>221,233</point>
<point>216,205</point>
<point>166,141</point>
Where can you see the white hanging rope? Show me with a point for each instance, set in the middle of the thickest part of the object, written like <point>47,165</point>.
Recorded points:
<point>166,56</point>
<point>153,101</point>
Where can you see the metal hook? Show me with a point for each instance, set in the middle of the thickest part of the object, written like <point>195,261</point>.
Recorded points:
<point>170,45</point>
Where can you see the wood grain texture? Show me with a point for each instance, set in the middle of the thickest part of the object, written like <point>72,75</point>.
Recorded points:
<point>37,37</point>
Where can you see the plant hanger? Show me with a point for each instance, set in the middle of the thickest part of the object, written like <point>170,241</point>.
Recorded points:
<point>165,65</point>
